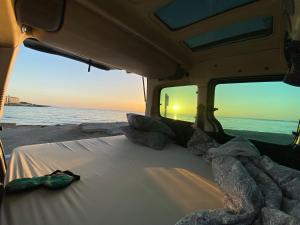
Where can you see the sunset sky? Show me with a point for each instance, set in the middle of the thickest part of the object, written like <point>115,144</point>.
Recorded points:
<point>182,103</point>
<point>261,100</point>
<point>42,78</point>
<point>264,100</point>
<point>52,80</point>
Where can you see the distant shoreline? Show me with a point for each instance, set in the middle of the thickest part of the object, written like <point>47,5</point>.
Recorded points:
<point>26,104</point>
<point>262,119</point>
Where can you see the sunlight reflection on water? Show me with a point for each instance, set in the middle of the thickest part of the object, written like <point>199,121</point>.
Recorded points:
<point>58,115</point>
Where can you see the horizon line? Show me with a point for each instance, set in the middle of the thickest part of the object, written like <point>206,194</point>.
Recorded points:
<point>78,107</point>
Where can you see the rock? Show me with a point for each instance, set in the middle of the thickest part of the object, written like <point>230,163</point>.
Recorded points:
<point>8,125</point>
<point>108,128</point>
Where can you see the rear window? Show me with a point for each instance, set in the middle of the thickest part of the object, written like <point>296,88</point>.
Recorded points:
<point>264,111</point>
<point>181,13</point>
<point>239,31</point>
<point>179,103</point>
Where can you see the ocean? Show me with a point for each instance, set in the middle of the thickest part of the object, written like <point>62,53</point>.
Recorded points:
<point>259,125</point>
<point>59,115</point>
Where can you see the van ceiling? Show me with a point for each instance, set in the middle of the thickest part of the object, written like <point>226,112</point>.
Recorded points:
<point>134,35</point>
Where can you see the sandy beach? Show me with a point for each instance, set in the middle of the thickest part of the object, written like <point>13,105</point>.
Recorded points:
<point>15,136</point>
<point>19,135</point>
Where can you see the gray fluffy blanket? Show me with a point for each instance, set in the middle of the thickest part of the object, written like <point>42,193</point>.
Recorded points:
<point>257,190</point>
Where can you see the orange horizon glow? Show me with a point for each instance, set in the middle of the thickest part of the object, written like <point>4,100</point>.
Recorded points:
<point>45,79</point>
<point>136,106</point>
<point>121,106</point>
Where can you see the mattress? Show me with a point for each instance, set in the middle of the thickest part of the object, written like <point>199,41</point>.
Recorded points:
<point>121,184</point>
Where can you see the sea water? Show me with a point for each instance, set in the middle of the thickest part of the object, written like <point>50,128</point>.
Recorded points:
<point>59,115</point>
<point>259,125</point>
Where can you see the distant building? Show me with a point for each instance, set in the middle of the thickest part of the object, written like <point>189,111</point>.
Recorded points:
<point>11,100</point>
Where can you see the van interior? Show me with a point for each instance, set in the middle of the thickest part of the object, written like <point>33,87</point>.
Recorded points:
<point>207,57</point>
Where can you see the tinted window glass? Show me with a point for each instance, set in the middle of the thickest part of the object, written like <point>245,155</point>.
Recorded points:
<point>253,28</point>
<point>265,111</point>
<point>180,13</point>
<point>179,103</point>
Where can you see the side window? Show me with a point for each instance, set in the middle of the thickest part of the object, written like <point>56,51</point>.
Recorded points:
<point>264,111</point>
<point>179,103</point>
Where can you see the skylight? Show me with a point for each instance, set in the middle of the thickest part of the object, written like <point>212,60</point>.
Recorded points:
<point>239,31</point>
<point>181,13</point>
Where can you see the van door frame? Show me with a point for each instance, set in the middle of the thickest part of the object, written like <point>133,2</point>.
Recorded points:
<point>288,155</point>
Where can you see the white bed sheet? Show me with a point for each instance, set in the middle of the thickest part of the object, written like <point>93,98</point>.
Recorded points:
<point>121,184</point>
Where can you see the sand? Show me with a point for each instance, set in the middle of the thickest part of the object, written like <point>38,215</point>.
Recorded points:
<point>275,138</point>
<point>15,136</point>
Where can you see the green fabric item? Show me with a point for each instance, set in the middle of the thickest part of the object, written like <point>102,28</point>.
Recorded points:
<point>56,180</point>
